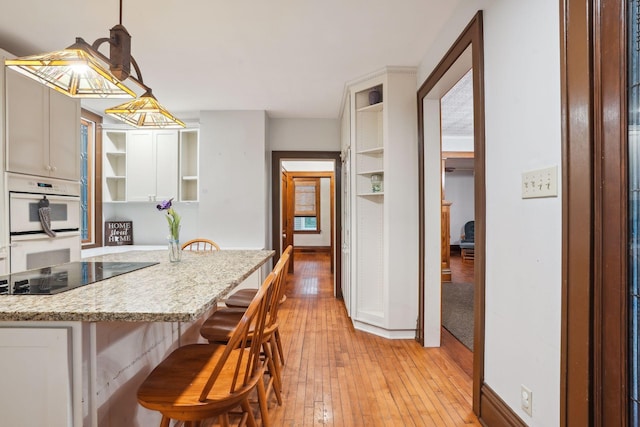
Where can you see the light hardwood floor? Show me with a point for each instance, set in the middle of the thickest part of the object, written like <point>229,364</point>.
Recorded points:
<point>337,376</point>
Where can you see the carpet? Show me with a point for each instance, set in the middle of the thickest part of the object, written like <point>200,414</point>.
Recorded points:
<point>457,311</point>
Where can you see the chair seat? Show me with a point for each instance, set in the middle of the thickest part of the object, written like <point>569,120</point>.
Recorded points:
<point>174,386</point>
<point>467,245</point>
<point>220,325</point>
<point>243,297</point>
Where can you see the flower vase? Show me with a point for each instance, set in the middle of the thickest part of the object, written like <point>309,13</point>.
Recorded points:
<point>175,251</point>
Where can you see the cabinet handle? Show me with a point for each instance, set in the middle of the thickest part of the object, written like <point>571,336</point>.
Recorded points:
<point>53,168</point>
<point>47,167</point>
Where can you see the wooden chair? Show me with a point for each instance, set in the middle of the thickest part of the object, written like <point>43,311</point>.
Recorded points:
<point>217,328</point>
<point>467,242</point>
<point>243,297</point>
<point>200,245</point>
<point>201,381</point>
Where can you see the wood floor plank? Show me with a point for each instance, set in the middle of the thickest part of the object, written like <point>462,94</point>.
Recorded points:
<point>337,376</point>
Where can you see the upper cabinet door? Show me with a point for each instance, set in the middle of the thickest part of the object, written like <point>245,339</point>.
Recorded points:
<point>43,129</point>
<point>166,146</point>
<point>27,125</point>
<point>141,167</point>
<point>64,136</point>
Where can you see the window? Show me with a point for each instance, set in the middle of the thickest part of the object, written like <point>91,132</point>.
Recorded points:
<point>307,205</point>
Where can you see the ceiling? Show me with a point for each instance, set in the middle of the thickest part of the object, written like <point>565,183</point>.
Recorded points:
<point>291,58</point>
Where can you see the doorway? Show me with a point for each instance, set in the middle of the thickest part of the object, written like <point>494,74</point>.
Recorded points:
<point>457,224</point>
<point>465,54</point>
<point>277,159</point>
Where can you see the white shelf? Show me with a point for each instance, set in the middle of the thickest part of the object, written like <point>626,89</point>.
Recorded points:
<point>372,172</point>
<point>371,108</point>
<point>116,153</point>
<point>189,178</point>
<point>371,151</point>
<point>116,177</point>
<point>379,193</point>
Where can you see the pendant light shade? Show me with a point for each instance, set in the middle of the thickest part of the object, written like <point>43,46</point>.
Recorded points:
<point>74,71</point>
<point>145,112</point>
<point>81,71</point>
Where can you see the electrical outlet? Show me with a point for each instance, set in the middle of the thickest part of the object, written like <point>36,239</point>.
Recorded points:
<point>540,183</point>
<point>526,400</point>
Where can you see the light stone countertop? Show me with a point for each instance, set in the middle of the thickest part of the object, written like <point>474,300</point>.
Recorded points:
<point>166,292</point>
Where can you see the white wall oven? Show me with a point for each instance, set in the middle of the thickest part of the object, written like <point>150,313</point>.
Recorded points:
<point>43,237</point>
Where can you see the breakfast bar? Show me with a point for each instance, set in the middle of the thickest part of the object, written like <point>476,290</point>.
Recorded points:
<point>76,358</point>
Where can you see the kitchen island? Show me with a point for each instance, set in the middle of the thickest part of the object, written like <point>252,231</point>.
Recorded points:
<point>77,358</point>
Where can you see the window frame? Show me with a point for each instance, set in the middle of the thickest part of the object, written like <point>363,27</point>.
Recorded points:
<point>94,123</point>
<point>315,213</point>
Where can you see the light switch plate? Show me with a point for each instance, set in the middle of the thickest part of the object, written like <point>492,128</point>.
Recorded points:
<point>540,183</point>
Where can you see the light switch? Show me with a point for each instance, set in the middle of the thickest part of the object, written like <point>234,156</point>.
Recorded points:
<point>540,183</point>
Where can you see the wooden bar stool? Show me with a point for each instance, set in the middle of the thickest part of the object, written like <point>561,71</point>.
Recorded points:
<point>217,328</point>
<point>243,297</point>
<point>201,381</point>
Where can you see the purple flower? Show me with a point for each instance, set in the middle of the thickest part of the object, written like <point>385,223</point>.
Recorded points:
<point>164,205</point>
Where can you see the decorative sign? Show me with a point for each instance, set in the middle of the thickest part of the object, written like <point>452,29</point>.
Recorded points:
<point>118,233</point>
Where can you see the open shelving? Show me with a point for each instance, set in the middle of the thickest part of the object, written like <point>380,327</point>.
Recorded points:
<point>114,143</point>
<point>189,165</point>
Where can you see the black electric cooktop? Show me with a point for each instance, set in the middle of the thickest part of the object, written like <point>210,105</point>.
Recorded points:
<point>64,277</point>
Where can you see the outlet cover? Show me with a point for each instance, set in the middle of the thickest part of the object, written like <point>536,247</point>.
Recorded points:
<point>540,183</point>
<point>526,400</point>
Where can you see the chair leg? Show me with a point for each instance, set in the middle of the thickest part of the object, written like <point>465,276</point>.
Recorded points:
<point>276,366</point>
<point>251,421</point>
<point>279,342</point>
<point>273,372</point>
<point>262,401</point>
<point>223,419</point>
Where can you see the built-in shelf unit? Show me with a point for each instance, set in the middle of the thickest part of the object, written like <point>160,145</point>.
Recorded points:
<point>383,212</point>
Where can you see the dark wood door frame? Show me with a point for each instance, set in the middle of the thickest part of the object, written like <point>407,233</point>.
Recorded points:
<point>276,158</point>
<point>594,347</point>
<point>471,36</point>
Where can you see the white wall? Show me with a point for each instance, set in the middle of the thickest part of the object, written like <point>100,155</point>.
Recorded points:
<point>523,237</point>
<point>304,134</point>
<point>233,172</point>
<point>234,187</point>
<point>458,189</point>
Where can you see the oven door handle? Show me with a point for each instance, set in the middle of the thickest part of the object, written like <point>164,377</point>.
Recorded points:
<point>43,236</point>
<point>37,197</point>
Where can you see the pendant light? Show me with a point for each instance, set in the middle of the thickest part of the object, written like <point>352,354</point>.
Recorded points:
<point>81,71</point>
<point>74,71</point>
<point>145,112</point>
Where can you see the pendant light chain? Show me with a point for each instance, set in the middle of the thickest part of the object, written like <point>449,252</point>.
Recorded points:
<point>120,12</point>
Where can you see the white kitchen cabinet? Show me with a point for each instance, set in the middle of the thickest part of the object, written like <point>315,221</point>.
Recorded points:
<point>43,129</point>
<point>38,379</point>
<point>379,141</point>
<point>152,165</point>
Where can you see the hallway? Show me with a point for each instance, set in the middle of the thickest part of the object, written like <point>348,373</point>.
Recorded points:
<point>337,376</point>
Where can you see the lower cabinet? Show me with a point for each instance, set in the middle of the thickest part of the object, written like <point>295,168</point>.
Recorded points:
<point>38,378</point>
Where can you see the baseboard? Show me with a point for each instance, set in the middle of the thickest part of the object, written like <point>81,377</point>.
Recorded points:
<point>494,412</point>
<point>316,249</point>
